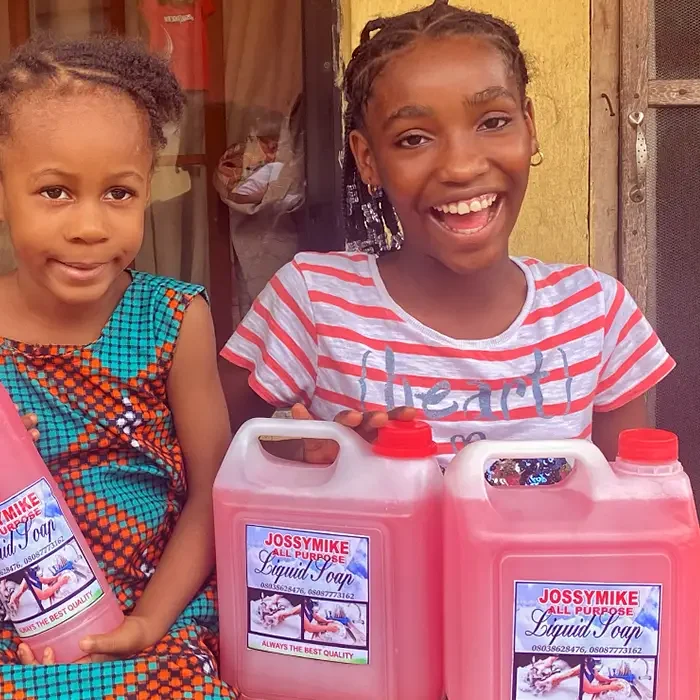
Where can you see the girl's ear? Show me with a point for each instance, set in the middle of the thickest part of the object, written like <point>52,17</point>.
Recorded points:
<point>362,152</point>
<point>529,109</point>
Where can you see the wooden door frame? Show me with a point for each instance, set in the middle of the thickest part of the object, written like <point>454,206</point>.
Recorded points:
<point>634,80</point>
<point>221,269</point>
<point>639,93</point>
<point>604,135</point>
<point>19,21</point>
<point>324,229</point>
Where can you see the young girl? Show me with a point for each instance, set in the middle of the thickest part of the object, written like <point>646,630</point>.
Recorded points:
<point>119,367</point>
<point>440,141</point>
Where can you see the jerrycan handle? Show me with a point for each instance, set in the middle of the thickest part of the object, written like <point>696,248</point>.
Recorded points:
<point>472,461</point>
<point>246,442</point>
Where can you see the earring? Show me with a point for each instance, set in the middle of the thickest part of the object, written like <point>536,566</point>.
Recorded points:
<point>375,190</point>
<point>537,159</point>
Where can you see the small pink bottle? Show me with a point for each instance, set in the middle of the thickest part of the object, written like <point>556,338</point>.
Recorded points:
<point>330,577</point>
<point>51,587</point>
<point>583,589</point>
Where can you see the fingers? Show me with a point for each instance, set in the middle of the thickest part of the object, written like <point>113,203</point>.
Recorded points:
<point>357,419</point>
<point>403,413</point>
<point>300,412</point>
<point>30,421</point>
<point>320,451</point>
<point>373,420</point>
<point>111,644</point>
<point>365,424</point>
<point>27,658</point>
<point>128,639</point>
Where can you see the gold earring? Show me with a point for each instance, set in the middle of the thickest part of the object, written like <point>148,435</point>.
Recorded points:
<point>374,190</point>
<point>537,159</point>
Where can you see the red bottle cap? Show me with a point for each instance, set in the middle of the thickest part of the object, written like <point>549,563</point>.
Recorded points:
<point>405,439</point>
<point>647,445</point>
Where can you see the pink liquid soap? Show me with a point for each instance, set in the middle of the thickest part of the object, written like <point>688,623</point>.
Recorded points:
<point>330,577</point>
<point>582,589</point>
<point>51,587</point>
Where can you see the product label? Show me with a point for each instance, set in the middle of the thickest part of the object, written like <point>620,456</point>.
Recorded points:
<point>308,594</point>
<point>586,641</point>
<point>45,578</point>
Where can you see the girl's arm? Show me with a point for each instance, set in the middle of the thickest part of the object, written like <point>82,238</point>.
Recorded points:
<point>243,403</point>
<point>197,402</point>
<point>607,426</point>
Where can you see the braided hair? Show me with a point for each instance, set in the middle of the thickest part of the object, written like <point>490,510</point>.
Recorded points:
<point>371,223</point>
<point>125,65</point>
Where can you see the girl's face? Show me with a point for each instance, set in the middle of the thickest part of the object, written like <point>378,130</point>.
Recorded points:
<point>446,130</point>
<point>73,190</point>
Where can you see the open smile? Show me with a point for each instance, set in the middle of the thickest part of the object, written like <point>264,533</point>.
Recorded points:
<point>469,217</point>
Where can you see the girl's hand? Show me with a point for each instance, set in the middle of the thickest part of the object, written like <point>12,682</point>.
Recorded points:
<point>129,639</point>
<point>30,422</point>
<point>26,656</point>
<point>364,424</point>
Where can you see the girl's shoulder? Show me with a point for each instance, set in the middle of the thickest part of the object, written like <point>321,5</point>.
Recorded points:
<point>339,265</point>
<point>154,307</point>
<point>342,274</point>
<point>145,285</point>
<point>558,281</point>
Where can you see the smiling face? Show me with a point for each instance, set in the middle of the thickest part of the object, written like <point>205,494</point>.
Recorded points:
<point>74,187</point>
<point>448,137</point>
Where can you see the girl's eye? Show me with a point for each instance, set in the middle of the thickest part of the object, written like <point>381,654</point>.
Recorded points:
<point>119,194</point>
<point>494,123</point>
<point>413,141</point>
<point>54,193</point>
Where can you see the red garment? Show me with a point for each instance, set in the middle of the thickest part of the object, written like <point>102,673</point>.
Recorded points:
<point>178,29</point>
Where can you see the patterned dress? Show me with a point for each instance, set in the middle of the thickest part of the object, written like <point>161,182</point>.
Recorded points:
<point>107,435</point>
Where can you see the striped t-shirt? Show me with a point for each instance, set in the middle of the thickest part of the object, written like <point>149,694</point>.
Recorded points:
<point>326,333</point>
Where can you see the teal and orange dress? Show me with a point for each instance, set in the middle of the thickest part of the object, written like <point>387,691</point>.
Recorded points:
<point>107,435</point>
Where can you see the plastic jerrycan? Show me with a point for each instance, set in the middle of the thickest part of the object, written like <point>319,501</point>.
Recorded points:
<point>587,588</point>
<point>51,587</point>
<point>330,577</point>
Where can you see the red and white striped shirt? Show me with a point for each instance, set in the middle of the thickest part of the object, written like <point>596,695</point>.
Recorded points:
<point>325,332</point>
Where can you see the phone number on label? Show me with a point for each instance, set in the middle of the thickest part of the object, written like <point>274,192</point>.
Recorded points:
<point>281,588</point>
<point>332,594</point>
<point>44,550</point>
<point>608,651</point>
<point>547,649</point>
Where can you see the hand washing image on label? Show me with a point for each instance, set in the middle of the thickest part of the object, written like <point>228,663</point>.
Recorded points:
<point>308,594</point>
<point>580,641</point>
<point>45,578</point>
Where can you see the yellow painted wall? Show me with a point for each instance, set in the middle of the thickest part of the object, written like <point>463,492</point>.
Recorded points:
<point>555,36</point>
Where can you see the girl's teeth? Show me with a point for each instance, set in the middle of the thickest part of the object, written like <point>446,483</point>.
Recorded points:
<point>465,207</point>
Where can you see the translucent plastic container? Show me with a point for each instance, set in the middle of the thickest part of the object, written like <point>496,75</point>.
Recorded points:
<point>330,578</point>
<point>587,588</point>
<point>50,584</point>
